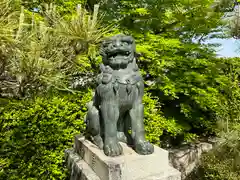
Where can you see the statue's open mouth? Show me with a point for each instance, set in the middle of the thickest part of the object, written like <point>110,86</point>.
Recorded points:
<point>119,54</point>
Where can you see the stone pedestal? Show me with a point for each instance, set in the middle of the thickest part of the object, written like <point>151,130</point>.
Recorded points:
<point>87,162</point>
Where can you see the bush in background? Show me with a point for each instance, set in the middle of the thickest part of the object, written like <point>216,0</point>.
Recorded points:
<point>223,162</point>
<point>35,133</point>
<point>42,50</point>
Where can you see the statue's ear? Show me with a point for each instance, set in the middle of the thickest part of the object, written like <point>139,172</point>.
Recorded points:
<point>135,66</point>
<point>102,47</point>
<point>102,67</point>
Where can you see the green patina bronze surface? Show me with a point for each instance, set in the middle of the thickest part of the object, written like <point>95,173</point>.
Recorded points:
<point>116,111</point>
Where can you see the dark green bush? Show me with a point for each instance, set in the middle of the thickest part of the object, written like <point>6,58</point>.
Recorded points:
<point>156,123</point>
<point>215,168</point>
<point>223,161</point>
<point>35,133</point>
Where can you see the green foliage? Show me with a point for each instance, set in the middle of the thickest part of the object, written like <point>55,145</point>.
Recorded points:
<point>172,18</point>
<point>35,133</point>
<point>48,49</point>
<point>8,23</point>
<point>223,162</point>
<point>228,82</point>
<point>155,123</point>
<point>63,6</point>
<point>39,58</point>
<point>85,31</point>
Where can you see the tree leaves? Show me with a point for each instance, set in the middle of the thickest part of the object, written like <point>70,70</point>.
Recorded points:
<point>46,49</point>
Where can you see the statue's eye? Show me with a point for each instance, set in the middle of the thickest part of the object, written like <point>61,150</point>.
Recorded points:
<point>128,40</point>
<point>106,43</point>
<point>125,43</point>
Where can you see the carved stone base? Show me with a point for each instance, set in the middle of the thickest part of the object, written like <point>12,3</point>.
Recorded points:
<point>87,162</point>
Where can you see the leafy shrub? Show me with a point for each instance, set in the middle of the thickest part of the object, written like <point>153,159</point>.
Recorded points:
<point>223,162</point>
<point>155,122</point>
<point>42,50</point>
<point>35,133</point>
<point>228,85</point>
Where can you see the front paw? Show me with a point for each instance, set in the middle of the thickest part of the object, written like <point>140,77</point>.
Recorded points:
<point>144,147</point>
<point>112,147</point>
<point>122,137</point>
<point>97,140</point>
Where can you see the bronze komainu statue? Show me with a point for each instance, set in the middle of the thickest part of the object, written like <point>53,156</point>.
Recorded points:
<point>116,111</point>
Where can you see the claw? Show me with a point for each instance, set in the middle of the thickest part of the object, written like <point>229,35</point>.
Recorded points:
<point>144,148</point>
<point>112,148</point>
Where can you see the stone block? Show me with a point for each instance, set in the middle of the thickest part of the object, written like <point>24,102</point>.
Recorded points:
<point>78,167</point>
<point>187,157</point>
<point>129,166</point>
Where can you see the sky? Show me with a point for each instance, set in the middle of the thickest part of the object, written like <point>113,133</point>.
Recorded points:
<point>230,47</point>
